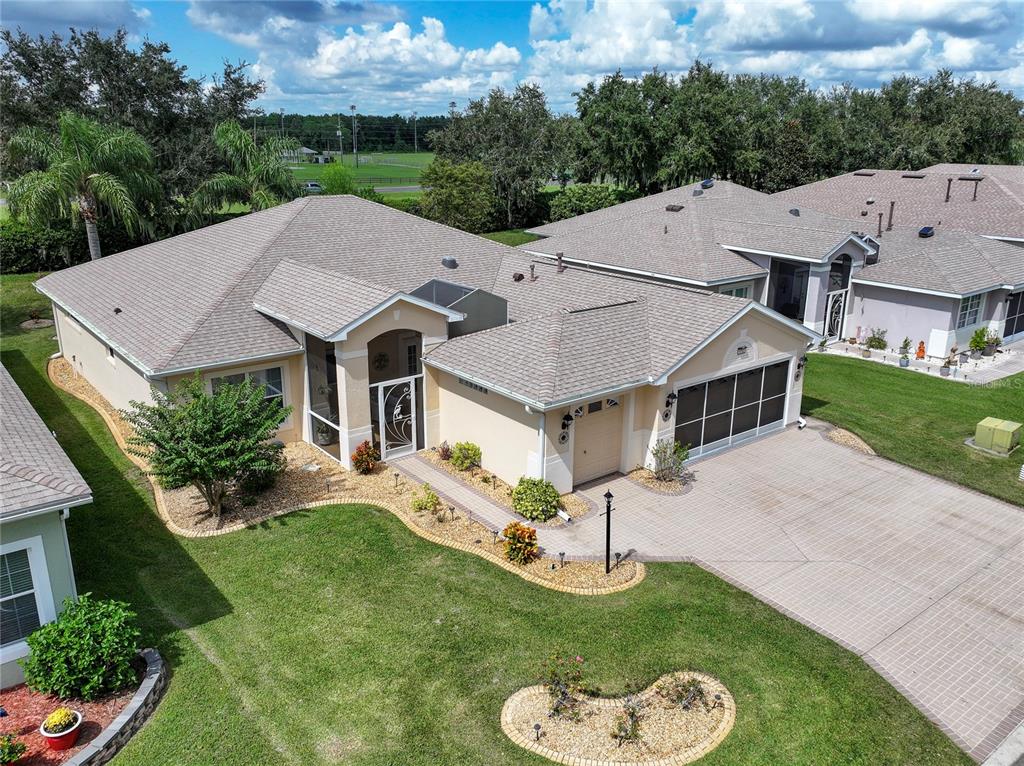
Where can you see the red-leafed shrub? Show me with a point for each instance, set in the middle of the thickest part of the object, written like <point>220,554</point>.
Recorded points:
<point>365,458</point>
<point>521,543</point>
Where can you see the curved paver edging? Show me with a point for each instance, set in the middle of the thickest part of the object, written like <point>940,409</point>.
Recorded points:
<point>641,571</point>
<point>685,489</point>
<point>108,742</point>
<point>688,755</point>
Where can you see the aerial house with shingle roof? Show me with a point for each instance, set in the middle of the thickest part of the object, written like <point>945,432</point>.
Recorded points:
<point>378,325</point>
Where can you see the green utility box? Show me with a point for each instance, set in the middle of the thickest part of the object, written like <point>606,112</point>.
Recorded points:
<point>997,435</point>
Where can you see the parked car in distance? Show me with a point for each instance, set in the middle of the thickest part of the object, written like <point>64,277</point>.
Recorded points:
<point>311,187</point>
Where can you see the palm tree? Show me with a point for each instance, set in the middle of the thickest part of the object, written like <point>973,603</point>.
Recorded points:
<point>91,169</point>
<point>258,175</point>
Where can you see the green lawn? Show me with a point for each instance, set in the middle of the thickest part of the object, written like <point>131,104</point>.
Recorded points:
<point>394,169</point>
<point>511,237</point>
<point>337,636</point>
<point>918,420</point>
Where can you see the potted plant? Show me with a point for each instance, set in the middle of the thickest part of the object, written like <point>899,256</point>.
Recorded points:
<point>905,353</point>
<point>991,342</point>
<point>821,345</point>
<point>61,727</point>
<point>323,434</point>
<point>875,341</point>
<point>948,362</point>
<point>978,342</point>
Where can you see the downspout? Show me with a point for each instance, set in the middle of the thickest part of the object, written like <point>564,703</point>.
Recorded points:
<point>64,514</point>
<point>540,442</point>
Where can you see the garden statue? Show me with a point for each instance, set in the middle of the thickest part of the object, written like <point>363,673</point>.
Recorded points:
<point>920,351</point>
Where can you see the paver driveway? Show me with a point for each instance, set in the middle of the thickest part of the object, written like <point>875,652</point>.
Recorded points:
<point>922,578</point>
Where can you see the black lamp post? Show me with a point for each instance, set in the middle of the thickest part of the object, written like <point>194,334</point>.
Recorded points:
<point>608,531</point>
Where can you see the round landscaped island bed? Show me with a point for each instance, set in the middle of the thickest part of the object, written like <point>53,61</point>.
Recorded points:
<point>669,733</point>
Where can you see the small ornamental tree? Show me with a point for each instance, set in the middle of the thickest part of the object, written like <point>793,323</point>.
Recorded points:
<point>337,179</point>
<point>209,441</point>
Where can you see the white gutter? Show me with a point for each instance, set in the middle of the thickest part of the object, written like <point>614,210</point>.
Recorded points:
<point>926,291</point>
<point>229,363</point>
<point>63,505</point>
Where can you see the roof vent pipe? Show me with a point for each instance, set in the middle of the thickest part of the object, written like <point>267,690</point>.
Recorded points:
<point>561,265</point>
<point>975,197</point>
<point>892,206</point>
<point>949,185</point>
<point>533,275</point>
<point>879,223</point>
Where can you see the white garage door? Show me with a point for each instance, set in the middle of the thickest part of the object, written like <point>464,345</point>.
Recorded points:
<point>598,439</point>
<point>731,409</point>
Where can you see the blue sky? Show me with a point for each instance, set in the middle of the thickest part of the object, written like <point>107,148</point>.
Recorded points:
<point>321,55</point>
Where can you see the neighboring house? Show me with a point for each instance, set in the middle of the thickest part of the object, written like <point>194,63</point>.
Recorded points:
<point>378,325</point>
<point>839,276</point>
<point>964,277</point>
<point>38,486</point>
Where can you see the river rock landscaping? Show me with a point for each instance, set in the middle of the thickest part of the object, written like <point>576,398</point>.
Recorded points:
<point>671,729</point>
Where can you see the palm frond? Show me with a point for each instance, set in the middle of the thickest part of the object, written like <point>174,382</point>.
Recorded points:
<point>32,143</point>
<point>111,192</point>
<point>237,146</point>
<point>123,149</point>
<point>40,197</point>
<point>263,198</point>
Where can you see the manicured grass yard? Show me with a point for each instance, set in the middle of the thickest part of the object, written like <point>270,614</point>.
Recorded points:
<point>399,167</point>
<point>337,636</point>
<point>512,237</point>
<point>919,420</point>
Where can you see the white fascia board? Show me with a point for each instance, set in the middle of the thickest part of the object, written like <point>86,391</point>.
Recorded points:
<point>1003,239</point>
<point>752,306</point>
<point>772,254</point>
<point>288,320</point>
<point>651,274</point>
<point>39,510</point>
<point>342,334</point>
<point>229,362</point>
<point>925,291</point>
<point>145,370</point>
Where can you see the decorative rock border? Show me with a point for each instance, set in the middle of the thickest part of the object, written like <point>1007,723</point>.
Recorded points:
<point>641,571</point>
<point>685,756</point>
<point>109,741</point>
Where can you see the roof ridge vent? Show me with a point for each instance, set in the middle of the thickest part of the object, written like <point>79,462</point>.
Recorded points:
<point>913,175</point>
<point>673,208</point>
<point>867,173</point>
<point>602,306</point>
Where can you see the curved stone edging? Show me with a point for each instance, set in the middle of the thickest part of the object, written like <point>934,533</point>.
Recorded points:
<point>686,488</point>
<point>641,571</point>
<point>688,755</point>
<point>108,742</point>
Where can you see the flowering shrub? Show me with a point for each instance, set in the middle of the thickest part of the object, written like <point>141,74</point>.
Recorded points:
<point>683,692</point>
<point>563,679</point>
<point>60,720</point>
<point>444,451</point>
<point>536,499</point>
<point>365,458</point>
<point>428,501</point>
<point>86,652</point>
<point>521,543</point>
<point>465,455</point>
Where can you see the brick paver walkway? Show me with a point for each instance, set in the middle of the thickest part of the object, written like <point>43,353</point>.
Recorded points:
<point>922,578</point>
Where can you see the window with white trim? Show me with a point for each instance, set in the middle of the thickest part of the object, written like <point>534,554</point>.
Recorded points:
<point>19,609</point>
<point>740,291</point>
<point>970,311</point>
<point>271,379</point>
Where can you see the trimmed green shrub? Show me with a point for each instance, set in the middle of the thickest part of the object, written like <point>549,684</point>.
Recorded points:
<point>580,199</point>
<point>428,501</point>
<point>11,749</point>
<point>536,499</point>
<point>521,543</point>
<point>669,457</point>
<point>876,340</point>
<point>86,652</point>
<point>466,455</point>
<point>258,479</point>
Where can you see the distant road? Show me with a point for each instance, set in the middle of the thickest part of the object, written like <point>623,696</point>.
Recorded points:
<point>396,189</point>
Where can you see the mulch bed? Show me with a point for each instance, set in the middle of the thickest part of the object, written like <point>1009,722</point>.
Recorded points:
<point>645,476</point>
<point>666,729</point>
<point>848,439</point>
<point>500,492</point>
<point>26,709</point>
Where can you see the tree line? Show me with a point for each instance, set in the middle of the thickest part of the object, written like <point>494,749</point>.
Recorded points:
<point>767,132</point>
<point>375,133</point>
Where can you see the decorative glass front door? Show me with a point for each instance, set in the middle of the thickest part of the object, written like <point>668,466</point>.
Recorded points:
<point>395,424</point>
<point>835,313</point>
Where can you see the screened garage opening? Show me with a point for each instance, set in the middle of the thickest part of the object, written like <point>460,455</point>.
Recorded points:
<point>732,409</point>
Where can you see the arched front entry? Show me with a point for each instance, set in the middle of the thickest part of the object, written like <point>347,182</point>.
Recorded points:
<point>837,297</point>
<point>396,392</point>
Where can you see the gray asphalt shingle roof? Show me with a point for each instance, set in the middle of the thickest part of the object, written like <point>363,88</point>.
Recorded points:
<point>35,473</point>
<point>629,332</point>
<point>951,261</point>
<point>920,198</point>
<point>690,243</point>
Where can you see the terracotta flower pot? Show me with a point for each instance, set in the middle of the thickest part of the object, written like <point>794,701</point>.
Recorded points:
<point>65,739</point>
<point>866,353</point>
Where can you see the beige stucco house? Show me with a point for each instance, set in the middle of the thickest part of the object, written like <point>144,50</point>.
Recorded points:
<point>377,325</point>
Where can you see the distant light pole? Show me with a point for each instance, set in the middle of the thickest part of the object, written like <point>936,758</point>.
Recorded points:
<point>355,144</point>
<point>451,108</point>
<point>415,137</point>
<point>341,140</point>
<point>281,111</point>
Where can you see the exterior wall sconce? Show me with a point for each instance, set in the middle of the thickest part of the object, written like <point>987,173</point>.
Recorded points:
<point>671,399</point>
<point>566,421</point>
<point>800,367</point>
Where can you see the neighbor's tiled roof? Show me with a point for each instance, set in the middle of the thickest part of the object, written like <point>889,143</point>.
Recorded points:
<point>920,198</point>
<point>321,302</point>
<point>951,261</point>
<point>621,339</point>
<point>35,474</point>
<point>690,243</point>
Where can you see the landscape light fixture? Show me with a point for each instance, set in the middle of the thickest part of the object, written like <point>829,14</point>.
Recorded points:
<point>561,558</point>
<point>495,533</point>
<point>396,480</point>
<point>451,511</point>
<point>536,731</point>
